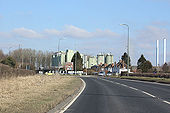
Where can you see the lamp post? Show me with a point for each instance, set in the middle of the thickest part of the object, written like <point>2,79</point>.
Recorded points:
<point>127,47</point>
<point>9,51</point>
<point>59,51</point>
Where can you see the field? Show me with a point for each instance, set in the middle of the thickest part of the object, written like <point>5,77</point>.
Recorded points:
<point>35,94</point>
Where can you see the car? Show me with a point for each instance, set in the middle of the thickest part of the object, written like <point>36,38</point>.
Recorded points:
<point>95,73</point>
<point>109,73</point>
<point>101,73</point>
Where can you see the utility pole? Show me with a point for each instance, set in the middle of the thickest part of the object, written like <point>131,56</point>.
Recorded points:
<point>127,48</point>
<point>59,53</point>
<point>75,60</point>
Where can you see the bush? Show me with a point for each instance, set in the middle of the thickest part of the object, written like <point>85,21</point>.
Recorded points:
<point>9,61</point>
<point>7,71</point>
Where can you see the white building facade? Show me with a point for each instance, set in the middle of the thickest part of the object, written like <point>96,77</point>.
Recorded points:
<point>92,61</point>
<point>100,59</point>
<point>109,59</point>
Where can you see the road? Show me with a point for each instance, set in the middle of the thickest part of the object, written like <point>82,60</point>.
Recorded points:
<point>110,95</point>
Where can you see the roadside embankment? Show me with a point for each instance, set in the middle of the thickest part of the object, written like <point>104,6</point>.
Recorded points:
<point>7,72</point>
<point>150,79</point>
<point>35,94</point>
<point>159,78</point>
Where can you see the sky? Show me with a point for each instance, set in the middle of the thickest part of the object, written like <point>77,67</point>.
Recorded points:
<point>89,26</point>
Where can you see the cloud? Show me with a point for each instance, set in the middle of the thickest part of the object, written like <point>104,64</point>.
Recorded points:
<point>146,39</point>
<point>27,33</point>
<point>75,32</point>
<point>152,33</point>
<point>69,31</point>
<point>160,23</point>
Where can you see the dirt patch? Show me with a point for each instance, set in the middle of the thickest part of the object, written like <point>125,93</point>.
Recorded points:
<point>35,94</point>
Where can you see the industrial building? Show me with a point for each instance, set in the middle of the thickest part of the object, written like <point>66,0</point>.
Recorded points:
<point>100,59</point>
<point>58,59</point>
<point>158,52</point>
<point>85,61</point>
<point>92,61</point>
<point>109,59</point>
<point>69,55</point>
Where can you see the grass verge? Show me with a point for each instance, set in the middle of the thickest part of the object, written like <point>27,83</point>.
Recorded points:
<point>150,79</point>
<point>35,94</point>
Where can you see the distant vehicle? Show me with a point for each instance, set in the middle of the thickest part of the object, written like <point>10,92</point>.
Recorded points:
<point>101,73</point>
<point>109,73</point>
<point>95,73</point>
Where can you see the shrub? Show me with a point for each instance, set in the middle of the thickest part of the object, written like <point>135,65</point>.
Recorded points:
<point>9,61</point>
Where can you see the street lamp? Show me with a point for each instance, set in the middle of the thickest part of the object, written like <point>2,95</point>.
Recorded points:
<point>59,51</point>
<point>127,47</point>
<point>9,50</point>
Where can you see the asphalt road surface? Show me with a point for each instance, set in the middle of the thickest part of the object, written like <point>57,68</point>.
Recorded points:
<point>106,95</point>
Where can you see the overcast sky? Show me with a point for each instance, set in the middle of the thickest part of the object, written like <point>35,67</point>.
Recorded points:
<point>90,26</point>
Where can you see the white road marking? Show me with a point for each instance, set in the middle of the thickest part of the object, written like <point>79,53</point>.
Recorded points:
<point>124,85</point>
<point>148,94</point>
<point>65,108</point>
<point>147,82</point>
<point>138,90</point>
<point>133,88</point>
<point>166,101</point>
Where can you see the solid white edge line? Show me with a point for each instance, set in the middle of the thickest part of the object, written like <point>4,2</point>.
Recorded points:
<point>65,108</point>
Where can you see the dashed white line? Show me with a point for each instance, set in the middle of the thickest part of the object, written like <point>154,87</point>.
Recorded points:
<point>148,94</point>
<point>133,88</point>
<point>166,101</point>
<point>138,90</point>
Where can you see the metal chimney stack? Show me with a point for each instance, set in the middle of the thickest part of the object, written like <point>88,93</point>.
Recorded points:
<point>164,49</point>
<point>157,53</point>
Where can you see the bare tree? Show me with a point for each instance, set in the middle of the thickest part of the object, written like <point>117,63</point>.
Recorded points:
<point>2,56</point>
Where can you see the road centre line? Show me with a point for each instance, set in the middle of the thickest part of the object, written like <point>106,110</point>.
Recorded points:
<point>146,93</point>
<point>166,101</point>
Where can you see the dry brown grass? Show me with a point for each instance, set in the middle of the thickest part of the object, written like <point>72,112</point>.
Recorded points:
<point>35,94</point>
<point>7,72</point>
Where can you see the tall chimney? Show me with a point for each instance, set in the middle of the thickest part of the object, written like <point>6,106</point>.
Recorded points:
<point>157,52</point>
<point>164,50</point>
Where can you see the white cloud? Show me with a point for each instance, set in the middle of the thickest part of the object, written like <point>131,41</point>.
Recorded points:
<point>146,37</point>
<point>152,33</point>
<point>27,33</point>
<point>75,32</point>
<point>68,31</point>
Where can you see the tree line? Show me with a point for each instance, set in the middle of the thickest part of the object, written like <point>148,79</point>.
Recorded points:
<point>26,58</point>
<point>144,65</point>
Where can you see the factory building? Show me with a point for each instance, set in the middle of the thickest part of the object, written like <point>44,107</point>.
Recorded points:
<point>58,59</point>
<point>92,61</point>
<point>100,59</point>
<point>109,59</point>
<point>85,61</point>
<point>69,55</point>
